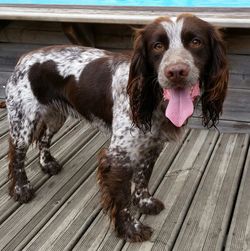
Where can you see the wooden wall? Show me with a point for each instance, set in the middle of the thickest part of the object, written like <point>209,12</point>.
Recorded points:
<point>18,37</point>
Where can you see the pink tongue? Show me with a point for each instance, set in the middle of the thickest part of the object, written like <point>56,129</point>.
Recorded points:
<point>180,105</point>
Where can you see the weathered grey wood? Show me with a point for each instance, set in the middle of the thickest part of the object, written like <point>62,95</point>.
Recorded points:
<point>103,237</point>
<point>97,237</point>
<point>239,81</point>
<point>177,190</point>
<point>75,215</point>
<point>60,206</point>
<point>237,106</point>
<point>3,113</point>
<point>33,33</point>
<point>26,213</point>
<point>239,64</point>
<point>10,53</point>
<point>113,36</point>
<point>238,237</point>
<point>2,91</point>
<point>223,17</point>
<point>68,130</point>
<point>60,151</point>
<point>226,126</point>
<point>4,77</point>
<point>239,44</point>
<point>208,218</point>
<point>68,125</point>
<point>4,126</point>
<point>4,145</point>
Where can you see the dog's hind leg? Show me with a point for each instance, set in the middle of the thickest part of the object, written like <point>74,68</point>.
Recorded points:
<point>22,124</point>
<point>20,188</point>
<point>51,124</point>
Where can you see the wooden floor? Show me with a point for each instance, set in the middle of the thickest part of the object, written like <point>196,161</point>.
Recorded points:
<point>204,182</point>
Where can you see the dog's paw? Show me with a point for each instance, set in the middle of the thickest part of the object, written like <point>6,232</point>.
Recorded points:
<point>23,193</point>
<point>51,166</point>
<point>134,231</point>
<point>150,206</point>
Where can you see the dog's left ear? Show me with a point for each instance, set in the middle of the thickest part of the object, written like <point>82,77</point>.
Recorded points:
<point>216,80</point>
<point>142,86</point>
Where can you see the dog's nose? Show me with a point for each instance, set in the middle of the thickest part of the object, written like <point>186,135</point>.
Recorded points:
<point>176,72</point>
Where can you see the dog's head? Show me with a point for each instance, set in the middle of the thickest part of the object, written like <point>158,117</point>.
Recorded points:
<point>178,61</point>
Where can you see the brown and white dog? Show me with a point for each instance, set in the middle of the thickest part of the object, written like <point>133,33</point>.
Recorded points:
<point>144,100</point>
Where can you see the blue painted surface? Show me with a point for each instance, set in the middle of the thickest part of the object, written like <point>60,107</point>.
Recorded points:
<point>144,3</point>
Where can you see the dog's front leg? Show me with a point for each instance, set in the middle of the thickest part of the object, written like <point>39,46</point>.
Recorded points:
<point>141,197</point>
<point>114,175</point>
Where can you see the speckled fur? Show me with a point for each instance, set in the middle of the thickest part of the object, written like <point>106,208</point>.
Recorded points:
<point>74,74</point>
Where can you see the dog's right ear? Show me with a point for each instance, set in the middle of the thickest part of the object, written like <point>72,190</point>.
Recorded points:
<point>141,87</point>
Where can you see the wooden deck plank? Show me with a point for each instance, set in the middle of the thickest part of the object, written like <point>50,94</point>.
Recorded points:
<point>4,126</point>
<point>236,112</point>
<point>59,218</point>
<point>239,233</point>
<point>97,235</point>
<point>206,224</point>
<point>100,230</point>
<point>4,145</point>
<point>236,47</point>
<point>69,124</point>
<point>225,126</point>
<point>62,150</point>
<point>10,54</point>
<point>239,64</point>
<point>3,113</point>
<point>239,81</point>
<point>237,105</point>
<point>223,17</point>
<point>15,224</point>
<point>57,205</point>
<point>60,233</point>
<point>177,190</point>
<point>70,128</point>
<point>26,32</point>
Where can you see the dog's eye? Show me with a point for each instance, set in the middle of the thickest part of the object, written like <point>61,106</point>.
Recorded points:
<point>159,47</point>
<point>196,43</point>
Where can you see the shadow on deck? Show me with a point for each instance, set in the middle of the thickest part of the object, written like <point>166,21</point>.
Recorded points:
<point>203,180</point>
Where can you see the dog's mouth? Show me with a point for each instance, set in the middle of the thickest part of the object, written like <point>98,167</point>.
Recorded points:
<point>180,103</point>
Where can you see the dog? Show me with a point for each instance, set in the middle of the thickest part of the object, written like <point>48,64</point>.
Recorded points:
<point>144,99</point>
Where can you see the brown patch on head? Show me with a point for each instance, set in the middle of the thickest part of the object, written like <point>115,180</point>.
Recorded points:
<point>196,29</point>
<point>210,58</point>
